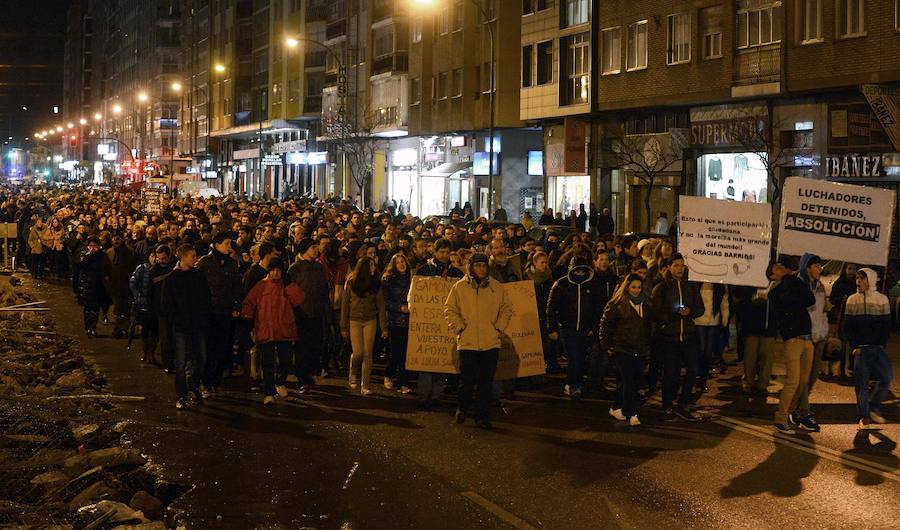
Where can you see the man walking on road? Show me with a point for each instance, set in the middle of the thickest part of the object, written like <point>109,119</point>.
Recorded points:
<point>791,298</point>
<point>478,311</point>
<point>311,278</point>
<point>867,326</point>
<point>224,281</point>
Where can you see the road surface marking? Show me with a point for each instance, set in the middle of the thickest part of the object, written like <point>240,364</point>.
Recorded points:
<point>499,512</point>
<point>350,475</point>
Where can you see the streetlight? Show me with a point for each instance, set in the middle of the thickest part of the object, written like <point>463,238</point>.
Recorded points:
<point>219,68</point>
<point>82,121</point>
<point>117,109</point>
<point>98,116</point>
<point>70,125</point>
<point>490,25</point>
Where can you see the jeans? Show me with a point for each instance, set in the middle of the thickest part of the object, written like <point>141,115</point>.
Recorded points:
<point>803,406</point>
<point>362,338</point>
<point>430,385</point>
<point>396,366</point>
<point>676,354</point>
<point>476,376</point>
<point>655,370</point>
<point>759,353</point>
<point>872,363</point>
<point>37,266</point>
<point>166,344</point>
<point>220,341</point>
<point>577,345</point>
<point>122,304</point>
<point>631,368</point>
<point>550,354</point>
<point>335,347</point>
<point>190,358</point>
<point>708,338</point>
<point>798,356</point>
<point>149,333</point>
<point>269,351</point>
<point>311,337</point>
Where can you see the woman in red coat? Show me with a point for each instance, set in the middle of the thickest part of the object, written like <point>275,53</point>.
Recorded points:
<point>270,305</point>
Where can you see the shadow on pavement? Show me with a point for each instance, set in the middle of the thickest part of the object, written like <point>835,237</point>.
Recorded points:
<point>877,447</point>
<point>781,474</point>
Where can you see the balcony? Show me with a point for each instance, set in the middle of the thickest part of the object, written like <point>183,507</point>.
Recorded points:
<point>758,65</point>
<point>336,29</point>
<point>383,9</point>
<point>397,62</point>
<point>315,59</point>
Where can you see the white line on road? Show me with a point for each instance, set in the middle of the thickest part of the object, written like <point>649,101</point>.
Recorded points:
<point>500,513</point>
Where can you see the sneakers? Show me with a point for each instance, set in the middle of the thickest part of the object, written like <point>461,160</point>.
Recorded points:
<point>281,390</point>
<point>866,425</point>
<point>685,414</point>
<point>669,415</point>
<point>366,392</point>
<point>567,390</point>
<point>808,423</point>
<point>404,390</point>
<point>875,417</point>
<point>204,393</point>
<point>354,386</point>
<point>784,428</point>
<point>388,384</point>
<point>181,404</point>
<point>617,414</point>
<point>634,421</point>
<point>268,400</point>
<point>324,374</point>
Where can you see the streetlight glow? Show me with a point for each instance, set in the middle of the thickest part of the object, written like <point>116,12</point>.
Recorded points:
<point>70,125</point>
<point>98,116</point>
<point>117,109</point>
<point>292,42</point>
<point>142,97</point>
<point>59,128</point>
<point>220,68</point>
<point>82,121</point>
<point>176,86</point>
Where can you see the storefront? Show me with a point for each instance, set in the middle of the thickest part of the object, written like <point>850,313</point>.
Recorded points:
<point>565,161</point>
<point>403,185</point>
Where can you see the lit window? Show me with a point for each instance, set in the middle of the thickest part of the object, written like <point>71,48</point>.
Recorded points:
<point>758,24</point>
<point>711,27</point>
<point>852,17</point>
<point>611,40</point>
<point>812,21</point>
<point>637,46</point>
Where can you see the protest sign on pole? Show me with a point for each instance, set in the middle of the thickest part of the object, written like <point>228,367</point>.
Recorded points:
<point>725,241</point>
<point>836,221</point>
<point>432,346</point>
<point>151,201</point>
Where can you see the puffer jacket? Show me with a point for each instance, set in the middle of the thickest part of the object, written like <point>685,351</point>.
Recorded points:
<point>270,305</point>
<point>790,298</point>
<point>574,302</point>
<point>625,329</point>
<point>140,287</point>
<point>90,279</point>
<point>665,300</point>
<point>224,280</point>
<point>396,294</point>
<point>867,321</point>
<point>817,317</point>
<point>477,312</point>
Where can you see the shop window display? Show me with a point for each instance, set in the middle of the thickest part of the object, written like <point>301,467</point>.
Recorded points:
<point>733,177</point>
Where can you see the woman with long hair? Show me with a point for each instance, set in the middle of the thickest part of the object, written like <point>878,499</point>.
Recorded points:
<point>625,336</point>
<point>539,272</point>
<point>362,306</point>
<point>395,285</point>
<point>53,237</point>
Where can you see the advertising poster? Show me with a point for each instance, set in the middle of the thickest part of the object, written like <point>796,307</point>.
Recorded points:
<point>724,241</point>
<point>836,221</point>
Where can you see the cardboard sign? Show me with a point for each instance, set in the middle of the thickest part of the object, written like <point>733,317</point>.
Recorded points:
<point>151,200</point>
<point>725,241</point>
<point>432,346</point>
<point>836,221</point>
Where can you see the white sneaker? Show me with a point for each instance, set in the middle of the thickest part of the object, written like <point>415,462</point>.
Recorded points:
<point>404,390</point>
<point>617,414</point>
<point>388,384</point>
<point>282,391</point>
<point>268,400</point>
<point>567,390</point>
<point>876,417</point>
<point>865,425</point>
<point>204,393</point>
<point>634,421</point>
<point>366,391</point>
<point>354,386</point>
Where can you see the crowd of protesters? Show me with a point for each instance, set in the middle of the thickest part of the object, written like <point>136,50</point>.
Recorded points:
<point>317,289</point>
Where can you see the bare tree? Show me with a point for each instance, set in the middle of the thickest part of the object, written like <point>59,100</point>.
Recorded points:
<point>358,144</point>
<point>647,156</point>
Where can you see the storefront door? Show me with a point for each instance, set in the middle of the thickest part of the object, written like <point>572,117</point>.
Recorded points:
<point>662,199</point>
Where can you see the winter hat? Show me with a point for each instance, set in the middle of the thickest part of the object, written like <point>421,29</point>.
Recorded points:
<point>304,245</point>
<point>579,261</point>
<point>643,243</point>
<point>478,257</point>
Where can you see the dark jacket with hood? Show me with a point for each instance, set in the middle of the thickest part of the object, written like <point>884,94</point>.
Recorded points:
<point>666,299</point>
<point>625,327</point>
<point>186,300</point>
<point>224,280</point>
<point>312,279</point>
<point>89,284</point>
<point>396,294</point>
<point>574,302</point>
<point>791,298</point>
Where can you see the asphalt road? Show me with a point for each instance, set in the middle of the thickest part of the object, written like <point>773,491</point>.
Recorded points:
<point>332,460</point>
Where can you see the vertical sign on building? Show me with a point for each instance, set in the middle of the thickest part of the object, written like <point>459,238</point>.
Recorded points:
<point>885,103</point>
<point>575,152</point>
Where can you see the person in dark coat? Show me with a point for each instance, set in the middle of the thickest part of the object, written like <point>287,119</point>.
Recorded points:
<point>89,284</point>
<point>121,263</point>
<point>147,245</point>
<point>162,334</point>
<point>224,282</point>
<point>395,284</point>
<point>311,277</point>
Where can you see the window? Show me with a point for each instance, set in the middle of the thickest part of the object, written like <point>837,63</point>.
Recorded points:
<point>711,28</point>
<point>459,16</point>
<point>485,77</point>
<point>574,12</point>
<point>897,15</point>
<point>527,7</point>
<point>852,17</point>
<point>812,21</point>
<point>443,84</point>
<point>444,21</point>
<point>415,89</point>
<point>758,23</point>
<point>527,53</point>
<point>679,39</point>
<point>611,40</point>
<point>544,73</point>
<point>417,29</point>
<point>576,63</point>
<point>457,81</point>
<point>637,46</point>
<point>383,41</point>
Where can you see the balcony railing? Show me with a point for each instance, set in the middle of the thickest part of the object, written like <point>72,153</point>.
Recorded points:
<point>758,65</point>
<point>336,29</point>
<point>397,62</point>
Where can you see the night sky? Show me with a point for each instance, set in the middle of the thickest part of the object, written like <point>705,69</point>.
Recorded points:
<point>32,39</point>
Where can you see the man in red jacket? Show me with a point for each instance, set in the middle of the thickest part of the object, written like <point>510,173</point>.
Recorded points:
<point>270,305</point>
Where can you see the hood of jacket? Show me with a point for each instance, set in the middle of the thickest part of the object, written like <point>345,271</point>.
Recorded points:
<point>873,280</point>
<point>574,278</point>
<point>804,271</point>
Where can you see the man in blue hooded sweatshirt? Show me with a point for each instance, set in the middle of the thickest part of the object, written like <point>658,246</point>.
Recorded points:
<point>867,326</point>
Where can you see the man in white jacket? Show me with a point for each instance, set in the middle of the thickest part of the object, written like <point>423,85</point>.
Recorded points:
<point>478,311</point>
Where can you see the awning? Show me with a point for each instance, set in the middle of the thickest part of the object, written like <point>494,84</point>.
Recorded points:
<point>446,169</point>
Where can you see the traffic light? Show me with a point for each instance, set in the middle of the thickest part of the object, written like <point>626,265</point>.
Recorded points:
<point>73,140</point>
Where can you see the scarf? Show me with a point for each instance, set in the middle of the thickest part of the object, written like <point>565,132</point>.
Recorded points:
<point>539,277</point>
<point>637,300</point>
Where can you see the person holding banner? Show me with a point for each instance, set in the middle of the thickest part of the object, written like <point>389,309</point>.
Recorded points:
<point>625,336</point>
<point>478,311</point>
<point>791,298</point>
<point>867,326</point>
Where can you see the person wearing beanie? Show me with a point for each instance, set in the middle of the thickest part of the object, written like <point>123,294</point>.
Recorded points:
<point>270,305</point>
<point>867,326</point>
<point>478,312</point>
<point>573,313</point>
<point>310,275</point>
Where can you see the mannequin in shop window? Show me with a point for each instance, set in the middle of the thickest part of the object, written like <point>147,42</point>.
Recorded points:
<point>662,224</point>
<point>714,169</point>
<point>741,165</point>
<point>729,191</point>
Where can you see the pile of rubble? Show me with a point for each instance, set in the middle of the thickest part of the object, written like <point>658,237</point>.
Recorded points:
<point>64,462</point>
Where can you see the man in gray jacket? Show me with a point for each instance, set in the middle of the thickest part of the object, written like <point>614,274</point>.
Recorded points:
<point>478,311</point>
